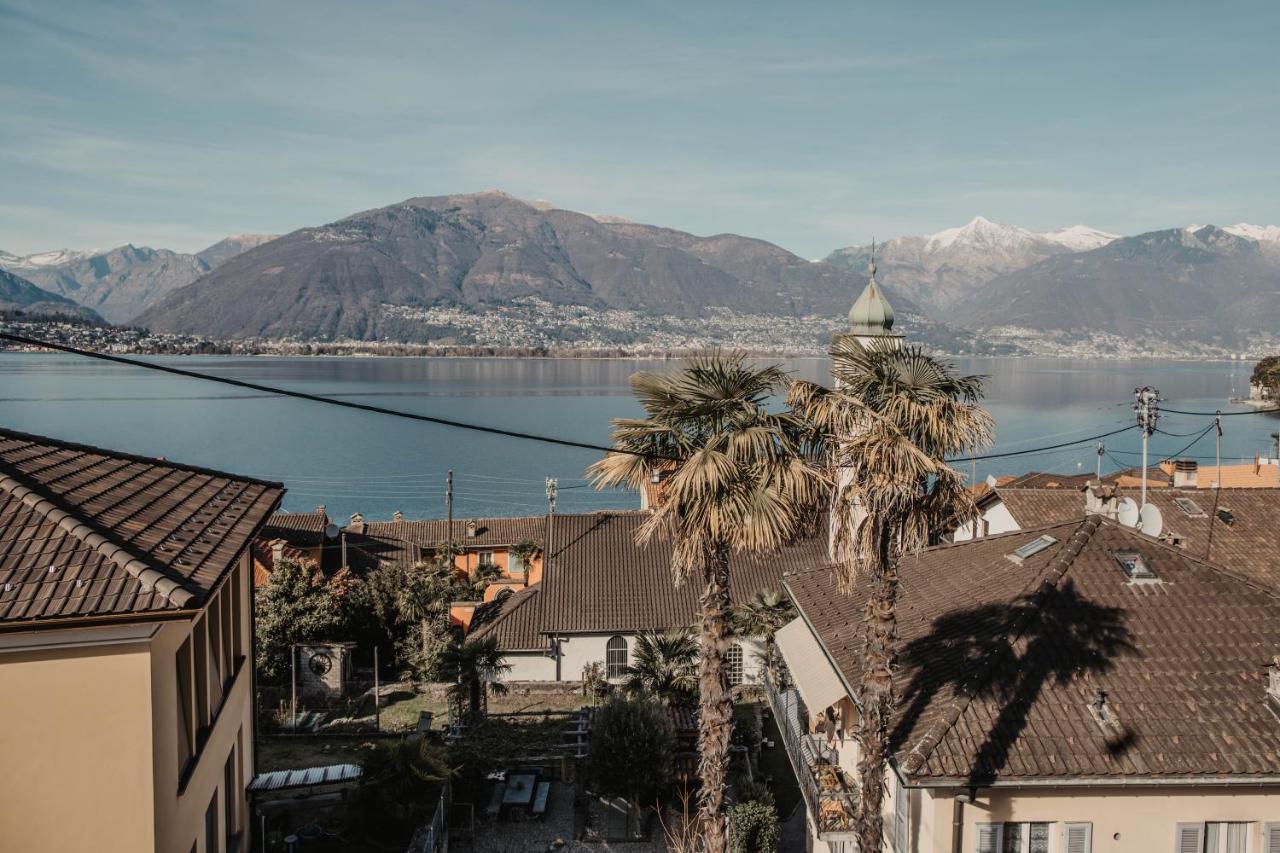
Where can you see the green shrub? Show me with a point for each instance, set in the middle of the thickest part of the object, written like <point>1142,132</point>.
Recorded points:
<point>753,827</point>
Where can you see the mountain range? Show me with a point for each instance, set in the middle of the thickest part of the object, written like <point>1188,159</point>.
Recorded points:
<point>18,294</point>
<point>486,249</point>
<point>364,277</point>
<point>122,282</point>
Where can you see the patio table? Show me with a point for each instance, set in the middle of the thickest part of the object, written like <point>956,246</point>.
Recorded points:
<point>520,788</point>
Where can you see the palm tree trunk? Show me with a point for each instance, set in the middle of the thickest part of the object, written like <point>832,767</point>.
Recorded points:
<point>715,709</point>
<point>876,694</point>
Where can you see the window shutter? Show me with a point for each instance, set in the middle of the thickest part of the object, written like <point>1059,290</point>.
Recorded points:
<point>901,805</point>
<point>1190,838</point>
<point>988,838</point>
<point>1271,838</point>
<point>1078,838</point>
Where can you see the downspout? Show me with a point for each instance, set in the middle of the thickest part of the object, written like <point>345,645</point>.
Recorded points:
<point>957,822</point>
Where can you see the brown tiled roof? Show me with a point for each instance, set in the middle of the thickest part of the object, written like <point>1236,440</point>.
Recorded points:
<point>431,533</point>
<point>90,532</point>
<point>1248,545</point>
<point>366,552</point>
<point>599,579</point>
<point>1000,661</point>
<point>1037,507</point>
<point>300,529</point>
<point>1041,480</point>
<point>513,619</point>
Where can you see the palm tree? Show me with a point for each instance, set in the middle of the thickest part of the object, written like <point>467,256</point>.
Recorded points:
<point>665,666</point>
<point>895,416</point>
<point>761,616</point>
<point>740,481</point>
<point>472,666</point>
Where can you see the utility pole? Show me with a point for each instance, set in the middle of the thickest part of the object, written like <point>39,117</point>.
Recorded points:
<point>1276,458</point>
<point>552,487</point>
<point>1217,485</point>
<point>1102,448</point>
<point>1146,408</point>
<point>448,503</point>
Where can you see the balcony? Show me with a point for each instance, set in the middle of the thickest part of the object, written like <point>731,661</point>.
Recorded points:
<point>829,794</point>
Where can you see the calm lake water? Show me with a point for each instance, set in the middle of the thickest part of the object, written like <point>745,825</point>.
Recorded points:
<point>357,462</point>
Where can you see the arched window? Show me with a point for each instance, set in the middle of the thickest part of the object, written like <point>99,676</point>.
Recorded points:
<point>733,665</point>
<point>615,657</point>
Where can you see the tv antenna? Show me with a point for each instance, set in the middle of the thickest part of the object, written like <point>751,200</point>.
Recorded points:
<point>1146,409</point>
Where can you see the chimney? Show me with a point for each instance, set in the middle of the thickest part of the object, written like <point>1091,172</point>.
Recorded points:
<point>277,551</point>
<point>397,516</point>
<point>1185,474</point>
<point>1102,500</point>
<point>471,530</point>
<point>357,523</point>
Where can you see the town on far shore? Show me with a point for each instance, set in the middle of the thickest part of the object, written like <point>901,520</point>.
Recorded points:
<point>809,632</point>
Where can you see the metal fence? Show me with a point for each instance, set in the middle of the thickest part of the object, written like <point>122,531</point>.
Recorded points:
<point>831,803</point>
<point>433,836</point>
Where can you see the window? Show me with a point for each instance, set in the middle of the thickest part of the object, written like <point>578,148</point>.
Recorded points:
<point>1035,546</point>
<point>486,558</point>
<point>733,665</point>
<point>615,657</point>
<point>515,563</point>
<point>1189,507</point>
<point>1013,837</point>
<point>1214,837</point>
<point>186,708</point>
<point>1135,567</point>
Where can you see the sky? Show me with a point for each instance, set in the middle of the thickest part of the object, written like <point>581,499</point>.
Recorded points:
<point>172,124</point>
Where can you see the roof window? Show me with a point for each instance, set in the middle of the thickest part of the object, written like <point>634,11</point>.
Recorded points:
<point>1189,507</point>
<point>1135,567</point>
<point>1035,546</point>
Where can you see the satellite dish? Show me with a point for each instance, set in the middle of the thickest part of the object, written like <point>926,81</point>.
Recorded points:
<point>1152,522</point>
<point>331,531</point>
<point>1127,512</point>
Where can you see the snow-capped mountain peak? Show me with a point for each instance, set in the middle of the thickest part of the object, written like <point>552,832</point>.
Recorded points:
<point>48,259</point>
<point>979,231</point>
<point>1079,238</point>
<point>1261,233</point>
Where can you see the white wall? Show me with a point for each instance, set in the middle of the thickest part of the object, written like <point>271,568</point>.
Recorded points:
<point>529,666</point>
<point>581,649</point>
<point>998,520</point>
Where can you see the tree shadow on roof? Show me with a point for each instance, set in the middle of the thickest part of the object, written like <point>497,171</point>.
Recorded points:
<point>1009,653</point>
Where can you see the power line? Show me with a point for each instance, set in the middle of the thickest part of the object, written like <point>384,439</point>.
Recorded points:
<point>316,398</point>
<point>1219,414</point>
<point>1044,449</point>
<point>1191,443</point>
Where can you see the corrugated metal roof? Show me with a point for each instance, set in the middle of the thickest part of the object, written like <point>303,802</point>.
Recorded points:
<point>307,777</point>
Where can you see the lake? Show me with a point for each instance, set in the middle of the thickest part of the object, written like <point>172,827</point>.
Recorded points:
<point>358,462</point>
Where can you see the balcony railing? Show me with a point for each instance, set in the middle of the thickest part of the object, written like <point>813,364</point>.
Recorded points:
<point>829,794</point>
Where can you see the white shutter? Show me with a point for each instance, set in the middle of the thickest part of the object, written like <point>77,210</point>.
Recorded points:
<point>1077,838</point>
<point>988,838</point>
<point>1271,838</point>
<point>901,806</point>
<point>1190,838</point>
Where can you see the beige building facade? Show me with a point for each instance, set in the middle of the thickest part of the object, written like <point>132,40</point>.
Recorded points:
<point>126,646</point>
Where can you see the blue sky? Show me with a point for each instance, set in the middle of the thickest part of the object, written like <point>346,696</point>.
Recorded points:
<point>811,125</point>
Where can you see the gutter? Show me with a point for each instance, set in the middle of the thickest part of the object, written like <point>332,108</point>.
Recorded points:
<point>1138,782</point>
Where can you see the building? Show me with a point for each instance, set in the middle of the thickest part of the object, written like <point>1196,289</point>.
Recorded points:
<point>126,644</point>
<point>601,590</point>
<point>1074,687</point>
<point>299,536</point>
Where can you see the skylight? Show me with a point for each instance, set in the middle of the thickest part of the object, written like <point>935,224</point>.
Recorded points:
<point>1188,506</point>
<point>1135,567</point>
<point>1226,516</point>
<point>1035,546</point>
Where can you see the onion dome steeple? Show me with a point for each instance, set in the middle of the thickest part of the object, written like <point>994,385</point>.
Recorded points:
<point>871,314</point>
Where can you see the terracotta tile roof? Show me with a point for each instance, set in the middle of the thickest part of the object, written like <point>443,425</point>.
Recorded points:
<point>513,619</point>
<point>1248,475</point>
<point>599,579</point>
<point>1038,507</point>
<point>1000,662</point>
<point>90,532</point>
<point>300,529</point>
<point>1040,480</point>
<point>430,533</point>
